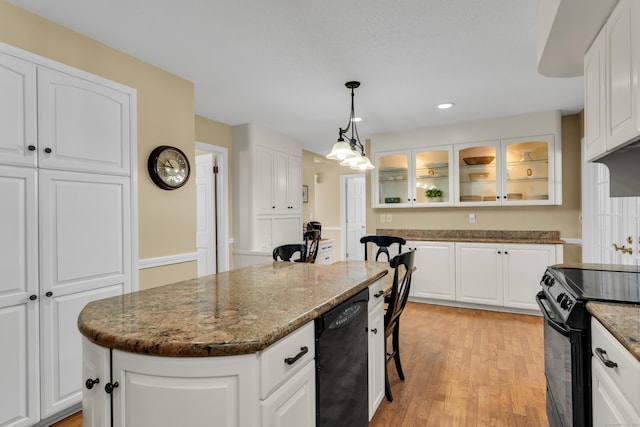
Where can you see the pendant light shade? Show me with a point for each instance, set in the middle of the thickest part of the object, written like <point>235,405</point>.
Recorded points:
<point>350,152</point>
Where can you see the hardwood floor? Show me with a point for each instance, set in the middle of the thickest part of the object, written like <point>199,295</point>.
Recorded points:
<point>463,368</point>
<point>467,368</point>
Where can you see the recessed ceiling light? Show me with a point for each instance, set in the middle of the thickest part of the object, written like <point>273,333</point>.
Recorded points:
<point>445,105</point>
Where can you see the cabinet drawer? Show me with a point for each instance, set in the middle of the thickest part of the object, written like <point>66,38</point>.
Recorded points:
<point>376,293</point>
<point>274,370</point>
<point>626,375</point>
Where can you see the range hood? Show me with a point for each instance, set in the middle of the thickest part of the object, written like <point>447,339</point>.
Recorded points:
<point>624,170</point>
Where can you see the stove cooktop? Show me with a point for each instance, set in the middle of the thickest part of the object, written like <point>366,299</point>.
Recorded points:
<point>601,285</point>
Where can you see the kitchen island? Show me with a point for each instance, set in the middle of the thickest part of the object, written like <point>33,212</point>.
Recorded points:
<point>212,348</point>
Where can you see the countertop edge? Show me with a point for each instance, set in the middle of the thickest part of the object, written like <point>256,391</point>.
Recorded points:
<point>614,323</point>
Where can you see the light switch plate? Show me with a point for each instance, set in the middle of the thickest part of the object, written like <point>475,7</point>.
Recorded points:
<point>383,218</point>
<point>389,218</point>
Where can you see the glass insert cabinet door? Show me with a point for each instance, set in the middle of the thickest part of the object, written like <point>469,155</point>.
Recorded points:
<point>393,178</point>
<point>432,177</point>
<point>528,167</point>
<point>478,173</point>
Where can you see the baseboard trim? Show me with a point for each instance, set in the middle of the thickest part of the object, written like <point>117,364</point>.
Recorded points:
<point>167,260</point>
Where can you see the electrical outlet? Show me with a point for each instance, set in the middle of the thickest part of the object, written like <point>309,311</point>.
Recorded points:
<point>389,218</point>
<point>383,218</point>
<point>472,218</point>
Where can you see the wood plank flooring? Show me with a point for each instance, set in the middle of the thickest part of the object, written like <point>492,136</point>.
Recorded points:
<point>463,368</point>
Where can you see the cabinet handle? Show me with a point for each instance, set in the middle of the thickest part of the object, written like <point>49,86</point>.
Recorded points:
<point>504,197</point>
<point>47,150</point>
<point>374,330</point>
<point>109,387</point>
<point>499,252</point>
<point>273,207</point>
<point>33,297</point>
<point>602,355</point>
<point>291,360</point>
<point>31,148</point>
<point>506,253</point>
<point>378,294</point>
<point>622,249</point>
<point>48,294</point>
<point>90,383</point>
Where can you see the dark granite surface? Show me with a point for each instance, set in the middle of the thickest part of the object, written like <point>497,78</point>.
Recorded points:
<point>478,236</point>
<point>237,312</point>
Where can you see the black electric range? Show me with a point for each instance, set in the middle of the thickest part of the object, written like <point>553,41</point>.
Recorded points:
<point>567,334</point>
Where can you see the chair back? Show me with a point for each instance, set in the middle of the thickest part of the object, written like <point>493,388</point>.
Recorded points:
<point>286,252</point>
<point>312,241</point>
<point>383,243</point>
<point>402,273</point>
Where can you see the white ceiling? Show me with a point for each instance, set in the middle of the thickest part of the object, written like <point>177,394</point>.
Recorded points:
<point>283,63</point>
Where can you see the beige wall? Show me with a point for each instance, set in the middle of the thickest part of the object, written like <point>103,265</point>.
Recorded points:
<point>165,116</point>
<point>564,218</point>
<point>219,134</point>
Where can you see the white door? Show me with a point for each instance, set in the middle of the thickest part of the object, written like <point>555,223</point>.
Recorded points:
<point>19,399</point>
<point>205,215</point>
<point>355,221</point>
<point>524,265</point>
<point>435,276</point>
<point>18,123</point>
<point>85,254</point>
<point>479,273</point>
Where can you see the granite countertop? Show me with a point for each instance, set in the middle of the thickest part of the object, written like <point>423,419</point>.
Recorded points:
<point>477,236</point>
<point>622,320</point>
<point>237,312</point>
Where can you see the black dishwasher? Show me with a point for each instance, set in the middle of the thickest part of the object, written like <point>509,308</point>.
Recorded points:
<point>342,364</point>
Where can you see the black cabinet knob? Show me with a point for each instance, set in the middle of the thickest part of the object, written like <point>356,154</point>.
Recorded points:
<point>47,150</point>
<point>109,387</point>
<point>31,148</point>
<point>374,330</point>
<point>33,297</point>
<point>90,383</point>
<point>49,294</point>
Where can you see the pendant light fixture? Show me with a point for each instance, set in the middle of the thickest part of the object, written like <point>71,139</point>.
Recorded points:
<point>350,152</point>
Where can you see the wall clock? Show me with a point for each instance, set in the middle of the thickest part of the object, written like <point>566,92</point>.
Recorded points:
<point>168,167</point>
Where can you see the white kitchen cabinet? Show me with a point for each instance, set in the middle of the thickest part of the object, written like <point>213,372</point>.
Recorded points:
<point>524,265</point>
<point>376,356</point>
<point>267,205</point>
<point>479,273</point>
<point>83,125</point>
<point>293,404</point>
<point>612,65</point>
<point>66,234</point>
<point>513,171</point>
<point>325,252</point>
<point>435,275</point>
<point>18,111</point>
<point>616,389</point>
<point>19,293</point>
<point>96,373</point>
<point>402,178</point>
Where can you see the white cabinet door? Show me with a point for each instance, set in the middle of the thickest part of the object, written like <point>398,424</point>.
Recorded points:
<point>622,44</point>
<point>294,184</point>
<point>294,403</point>
<point>281,182</point>
<point>435,275</point>
<point>96,372</point>
<point>19,387</point>
<point>376,353</point>
<point>18,119</point>
<point>610,407</point>
<point>61,344</point>
<point>82,125</point>
<point>85,231</point>
<point>185,391</point>
<point>264,172</point>
<point>479,273</point>
<point>523,266</point>
<point>594,99</point>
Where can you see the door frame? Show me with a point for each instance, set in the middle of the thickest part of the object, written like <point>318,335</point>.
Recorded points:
<point>343,210</point>
<point>222,202</point>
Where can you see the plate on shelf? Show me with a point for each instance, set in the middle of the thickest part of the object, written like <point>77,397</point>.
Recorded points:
<point>478,176</point>
<point>514,196</point>
<point>489,198</point>
<point>538,197</point>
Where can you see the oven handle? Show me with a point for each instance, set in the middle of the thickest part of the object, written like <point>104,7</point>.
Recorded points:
<point>559,327</point>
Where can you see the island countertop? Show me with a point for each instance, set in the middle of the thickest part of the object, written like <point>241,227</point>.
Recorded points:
<point>236,312</point>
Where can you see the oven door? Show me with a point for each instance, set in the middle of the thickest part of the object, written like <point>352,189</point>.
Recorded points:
<point>563,369</point>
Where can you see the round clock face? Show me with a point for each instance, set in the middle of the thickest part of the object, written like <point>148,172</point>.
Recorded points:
<point>168,167</point>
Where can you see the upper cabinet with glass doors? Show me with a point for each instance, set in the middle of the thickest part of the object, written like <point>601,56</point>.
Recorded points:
<point>517,171</point>
<point>413,178</point>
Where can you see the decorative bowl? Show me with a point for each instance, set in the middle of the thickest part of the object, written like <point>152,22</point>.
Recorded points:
<point>480,160</point>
